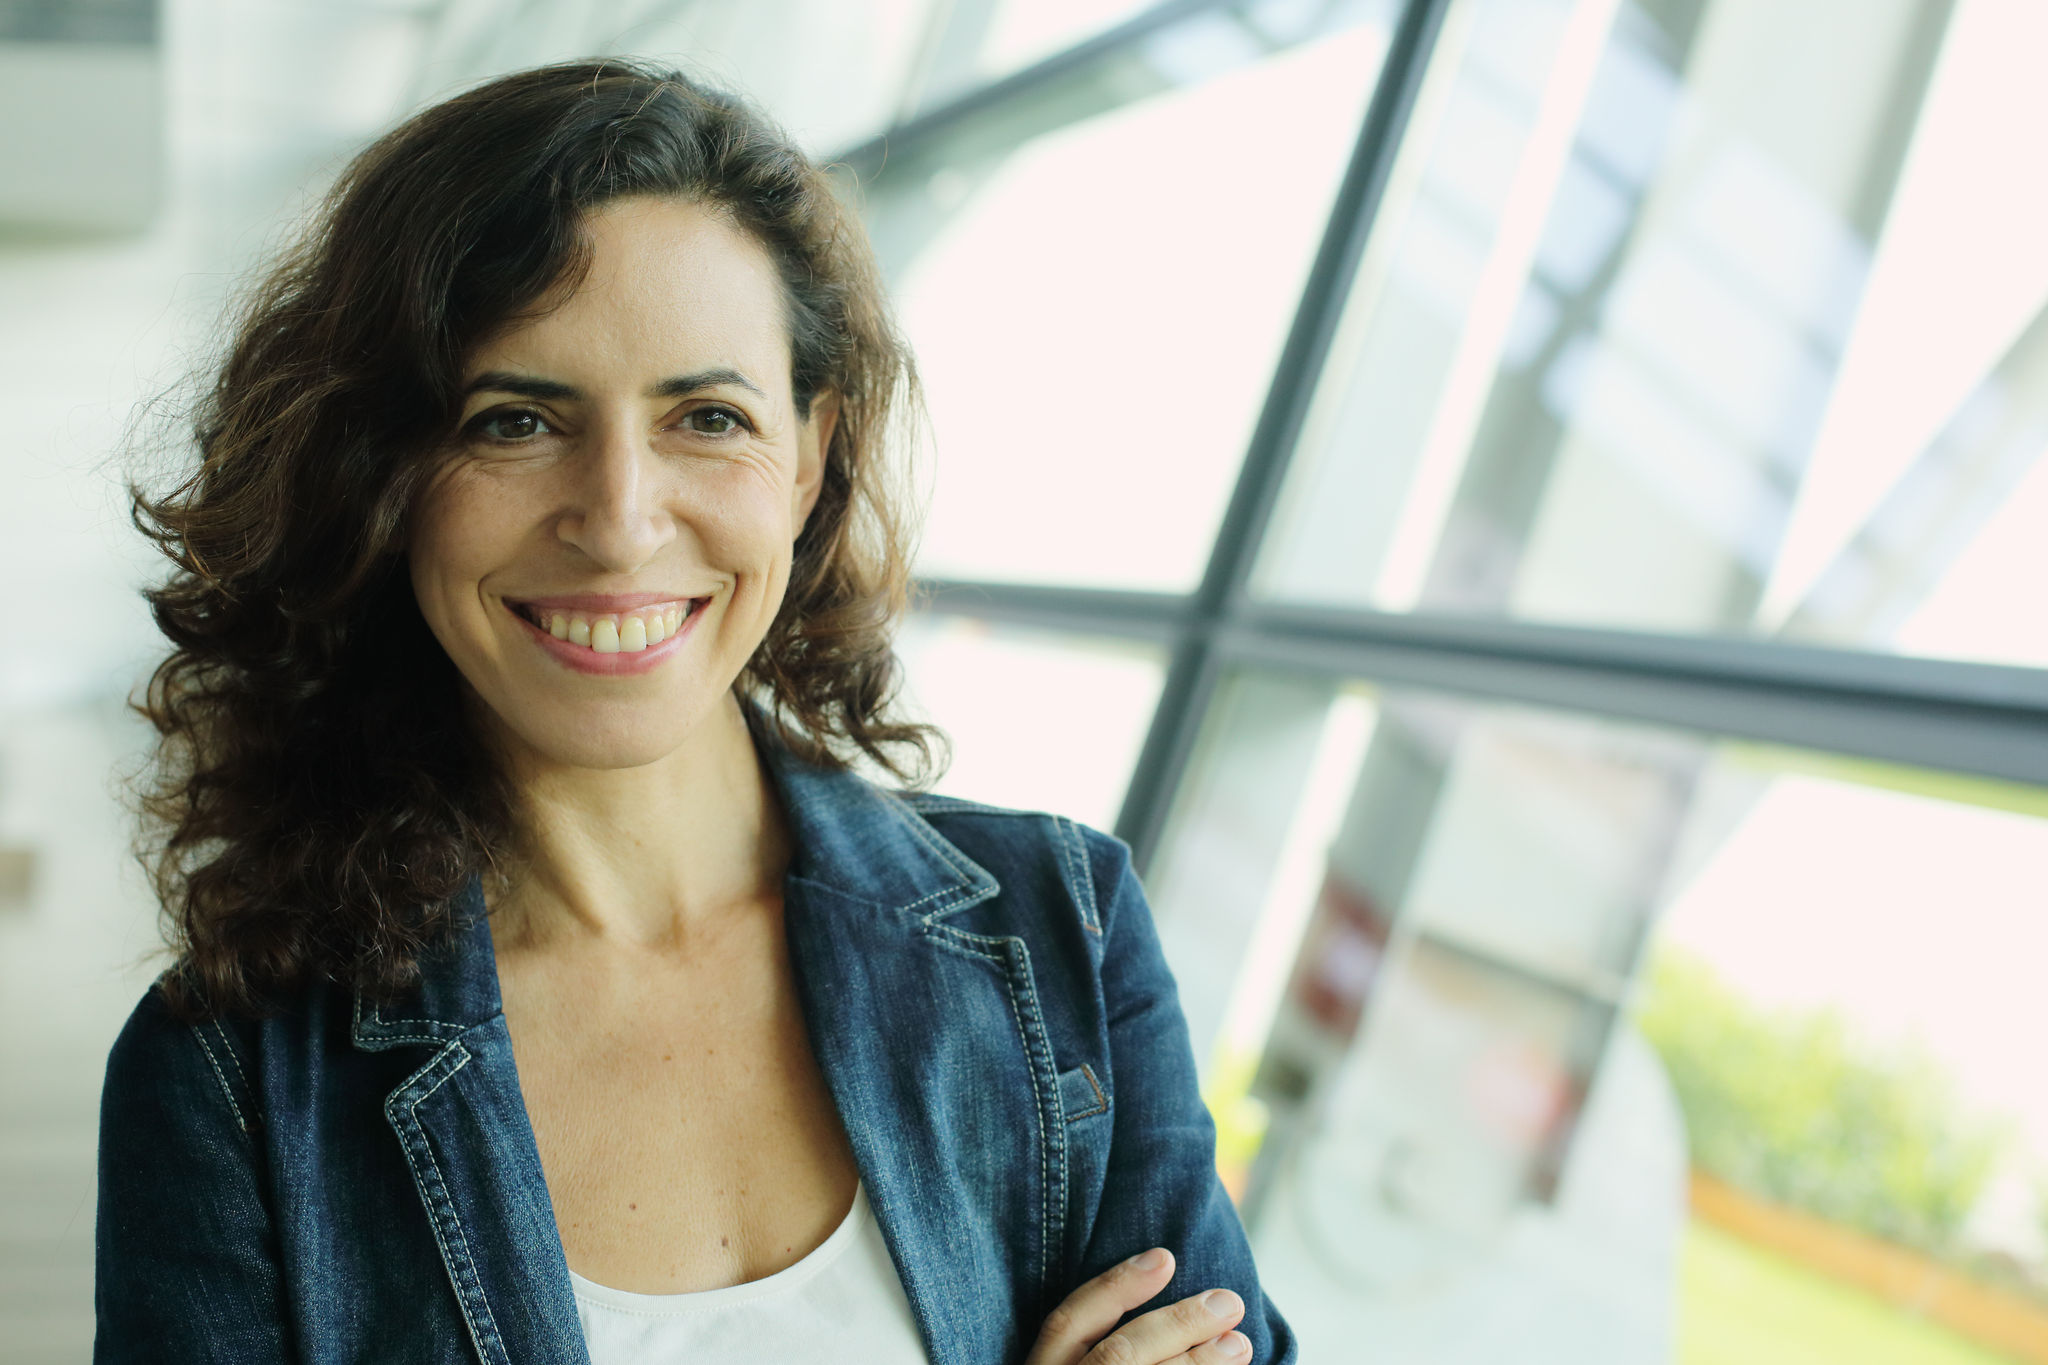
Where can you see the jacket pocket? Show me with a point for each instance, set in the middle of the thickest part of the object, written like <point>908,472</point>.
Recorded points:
<point>1081,1094</point>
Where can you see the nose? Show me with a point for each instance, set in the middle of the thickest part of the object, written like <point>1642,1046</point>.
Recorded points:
<point>616,514</point>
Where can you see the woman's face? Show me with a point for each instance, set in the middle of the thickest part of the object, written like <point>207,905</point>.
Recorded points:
<point>613,536</point>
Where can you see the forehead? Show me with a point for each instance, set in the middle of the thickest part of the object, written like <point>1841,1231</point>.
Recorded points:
<point>672,285</point>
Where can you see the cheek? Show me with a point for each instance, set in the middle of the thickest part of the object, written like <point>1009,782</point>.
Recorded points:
<point>744,518</point>
<point>456,537</point>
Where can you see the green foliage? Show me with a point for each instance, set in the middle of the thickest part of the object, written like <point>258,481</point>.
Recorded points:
<point>1789,1106</point>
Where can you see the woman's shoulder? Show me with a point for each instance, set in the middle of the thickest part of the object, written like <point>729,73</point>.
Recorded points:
<point>174,1049</point>
<point>169,1066</point>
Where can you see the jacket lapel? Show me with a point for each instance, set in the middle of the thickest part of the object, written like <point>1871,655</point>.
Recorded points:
<point>930,1039</point>
<point>462,1125</point>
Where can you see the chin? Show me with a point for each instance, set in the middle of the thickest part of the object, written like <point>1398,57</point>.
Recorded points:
<point>604,751</point>
<point>609,737</point>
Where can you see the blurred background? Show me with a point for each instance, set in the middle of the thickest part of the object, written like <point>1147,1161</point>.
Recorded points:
<point>1528,515</point>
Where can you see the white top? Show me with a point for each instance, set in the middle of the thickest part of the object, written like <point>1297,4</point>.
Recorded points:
<point>843,1303</point>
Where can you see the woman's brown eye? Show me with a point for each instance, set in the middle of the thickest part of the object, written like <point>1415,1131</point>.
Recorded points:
<point>714,421</point>
<point>510,426</point>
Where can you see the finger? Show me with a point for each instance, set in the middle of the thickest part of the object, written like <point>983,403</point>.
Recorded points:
<point>1092,1312</point>
<point>1168,1333</point>
<point>1232,1348</point>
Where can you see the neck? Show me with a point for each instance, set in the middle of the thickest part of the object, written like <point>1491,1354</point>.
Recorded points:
<point>656,856</point>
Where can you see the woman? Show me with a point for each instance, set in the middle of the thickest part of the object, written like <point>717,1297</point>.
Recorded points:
<point>547,980</point>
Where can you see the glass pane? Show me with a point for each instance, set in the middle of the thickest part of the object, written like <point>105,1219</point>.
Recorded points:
<point>1534,1036</point>
<point>831,73</point>
<point>1097,281</point>
<point>1647,335</point>
<point>987,39</point>
<point>1038,720</point>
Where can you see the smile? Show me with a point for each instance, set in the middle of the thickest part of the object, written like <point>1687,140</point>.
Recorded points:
<point>610,641</point>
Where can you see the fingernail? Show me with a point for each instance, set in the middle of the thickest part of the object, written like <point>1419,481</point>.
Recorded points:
<point>1149,1260</point>
<point>1222,1303</point>
<point>1235,1345</point>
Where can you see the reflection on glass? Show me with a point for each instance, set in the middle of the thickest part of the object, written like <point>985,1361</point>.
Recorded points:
<point>1683,316</point>
<point>1538,1036</point>
<point>1097,281</point>
<point>1038,720</point>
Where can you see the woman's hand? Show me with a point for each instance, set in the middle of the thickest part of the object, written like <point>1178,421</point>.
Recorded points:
<point>1196,1331</point>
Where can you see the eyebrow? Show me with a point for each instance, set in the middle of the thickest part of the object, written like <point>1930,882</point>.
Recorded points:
<point>680,386</point>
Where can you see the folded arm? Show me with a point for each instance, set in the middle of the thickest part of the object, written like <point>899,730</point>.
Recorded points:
<point>1161,1187</point>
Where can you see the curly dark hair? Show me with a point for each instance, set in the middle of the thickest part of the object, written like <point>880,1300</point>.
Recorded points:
<point>317,799</point>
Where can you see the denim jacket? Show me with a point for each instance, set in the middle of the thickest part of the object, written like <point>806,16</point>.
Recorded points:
<point>985,994</point>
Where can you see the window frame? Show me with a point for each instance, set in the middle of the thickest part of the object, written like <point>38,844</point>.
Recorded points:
<point>1977,719</point>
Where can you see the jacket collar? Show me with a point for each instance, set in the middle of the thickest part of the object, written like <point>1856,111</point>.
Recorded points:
<point>456,990</point>
<point>865,843</point>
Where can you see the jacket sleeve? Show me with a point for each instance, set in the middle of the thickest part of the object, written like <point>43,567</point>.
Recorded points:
<point>186,1259</point>
<point>1162,1188</point>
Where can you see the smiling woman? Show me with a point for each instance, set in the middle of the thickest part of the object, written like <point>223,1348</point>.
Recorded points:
<point>548,985</point>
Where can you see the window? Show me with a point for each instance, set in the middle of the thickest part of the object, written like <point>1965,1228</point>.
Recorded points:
<point>1658,293</point>
<point>1597,756</point>
<point>998,691</point>
<point>1526,1025</point>
<point>1097,280</point>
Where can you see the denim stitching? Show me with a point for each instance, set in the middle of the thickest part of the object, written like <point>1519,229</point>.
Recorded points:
<point>928,836</point>
<point>442,1208</point>
<point>918,834</point>
<point>1101,1100</point>
<point>936,847</point>
<point>1081,884</point>
<point>1016,958</point>
<point>961,806</point>
<point>1038,1113</point>
<point>378,1021</point>
<point>958,806</point>
<point>1046,1187</point>
<point>218,1075</point>
<point>930,896</point>
<point>1053,1192</point>
<point>946,938</point>
<point>228,1046</point>
<point>377,1018</point>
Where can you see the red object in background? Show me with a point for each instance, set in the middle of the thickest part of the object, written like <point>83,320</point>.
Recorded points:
<point>1521,1092</point>
<point>1340,956</point>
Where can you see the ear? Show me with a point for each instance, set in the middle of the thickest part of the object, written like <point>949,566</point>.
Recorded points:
<point>814,446</point>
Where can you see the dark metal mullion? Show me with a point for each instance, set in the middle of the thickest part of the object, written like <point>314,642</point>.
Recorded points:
<point>1290,631</point>
<point>1192,674</point>
<point>1756,662</point>
<point>1946,715</point>
<point>1975,731</point>
<point>1150,616</point>
<point>1750,663</point>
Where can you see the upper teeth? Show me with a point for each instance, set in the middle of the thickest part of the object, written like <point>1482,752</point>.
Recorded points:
<point>626,632</point>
